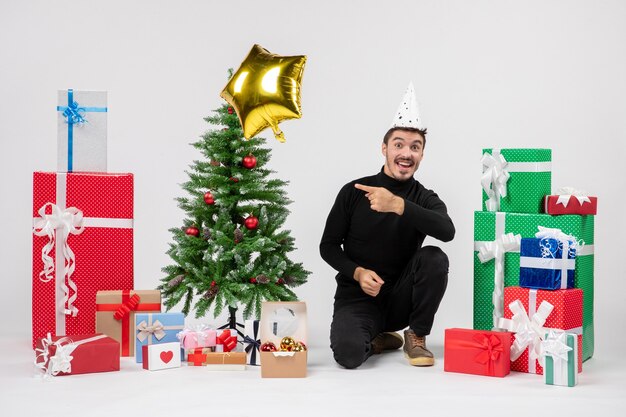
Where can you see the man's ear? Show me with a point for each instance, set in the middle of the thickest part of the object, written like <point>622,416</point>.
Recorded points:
<point>384,149</point>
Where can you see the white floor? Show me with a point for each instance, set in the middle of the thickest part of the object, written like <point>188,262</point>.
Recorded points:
<point>382,386</point>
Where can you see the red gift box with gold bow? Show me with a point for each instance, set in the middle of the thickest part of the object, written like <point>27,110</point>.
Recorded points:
<point>115,314</point>
<point>477,352</point>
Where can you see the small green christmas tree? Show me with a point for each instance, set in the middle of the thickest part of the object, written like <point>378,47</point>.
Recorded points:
<point>231,250</point>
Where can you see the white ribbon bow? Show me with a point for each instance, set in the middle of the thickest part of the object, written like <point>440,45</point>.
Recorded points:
<point>495,250</point>
<point>62,359</point>
<point>68,221</point>
<point>529,332</point>
<point>146,330</point>
<point>197,332</point>
<point>567,243</point>
<point>566,193</point>
<point>494,179</point>
<point>555,345</point>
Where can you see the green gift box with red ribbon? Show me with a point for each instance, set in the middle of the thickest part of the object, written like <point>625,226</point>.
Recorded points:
<point>115,314</point>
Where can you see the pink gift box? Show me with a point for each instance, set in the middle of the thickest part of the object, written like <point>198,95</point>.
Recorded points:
<point>198,337</point>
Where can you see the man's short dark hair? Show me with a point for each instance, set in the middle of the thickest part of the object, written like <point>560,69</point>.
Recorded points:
<point>406,129</point>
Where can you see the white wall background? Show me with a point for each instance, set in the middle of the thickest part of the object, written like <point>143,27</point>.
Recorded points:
<point>487,73</point>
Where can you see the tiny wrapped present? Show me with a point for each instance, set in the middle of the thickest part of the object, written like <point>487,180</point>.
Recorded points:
<point>197,337</point>
<point>161,356</point>
<point>197,356</point>
<point>477,352</point>
<point>81,354</point>
<point>252,342</point>
<point>532,313</point>
<point>568,200</point>
<point>516,180</point>
<point>226,340</point>
<point>225,361</point>
<point>548,261</point>
<point>82,243</point>
<point>115,314</point>
<point>82,131</point>
<point>280,321</point>
<point>560,355</point>
<point>154,328</point>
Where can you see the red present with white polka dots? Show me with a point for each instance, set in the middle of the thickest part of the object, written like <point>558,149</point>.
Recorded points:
<point>567,315</point>
<point>102,251</point>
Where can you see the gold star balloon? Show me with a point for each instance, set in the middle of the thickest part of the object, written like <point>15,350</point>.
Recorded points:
<point>265,90</point>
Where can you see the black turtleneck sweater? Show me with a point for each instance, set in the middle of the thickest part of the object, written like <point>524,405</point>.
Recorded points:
<point>382,242</point>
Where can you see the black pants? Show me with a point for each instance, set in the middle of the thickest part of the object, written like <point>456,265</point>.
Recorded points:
<point>412,301</point>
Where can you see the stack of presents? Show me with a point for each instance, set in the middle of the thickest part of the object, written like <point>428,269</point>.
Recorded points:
<point>533,274</point>
<point>86,312</point>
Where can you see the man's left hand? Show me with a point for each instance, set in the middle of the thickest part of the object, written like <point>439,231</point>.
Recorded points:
<point>382,200</point>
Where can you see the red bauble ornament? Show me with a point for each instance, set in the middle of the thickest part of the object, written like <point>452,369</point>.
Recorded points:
<point>213,283</point>
<point>231,110</point>
<point>253,280</point>
<point>280,281</point>
<point>234,179</point>
<point>268,347</point>
<point>192,231</point>
<point>251,222</point>
<point>208,198</point>
<point>249,161</point>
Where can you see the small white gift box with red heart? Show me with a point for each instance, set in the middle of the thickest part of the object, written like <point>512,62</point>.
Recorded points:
<point>161,356</point>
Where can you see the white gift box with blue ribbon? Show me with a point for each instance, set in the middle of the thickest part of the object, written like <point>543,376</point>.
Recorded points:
<point>81,131</point>
<point>548,262</point>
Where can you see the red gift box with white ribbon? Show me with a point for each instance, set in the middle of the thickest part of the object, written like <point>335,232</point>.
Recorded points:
<point>530,314</point>
<point>570,201</point>
<point>82,243</point>
<point>80,354</point>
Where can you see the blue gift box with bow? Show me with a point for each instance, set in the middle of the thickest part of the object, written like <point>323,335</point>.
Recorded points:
<point>547,264</point>
<point>156,328</point>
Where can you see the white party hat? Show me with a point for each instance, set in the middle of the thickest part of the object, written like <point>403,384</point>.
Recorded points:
<point>408,112</point>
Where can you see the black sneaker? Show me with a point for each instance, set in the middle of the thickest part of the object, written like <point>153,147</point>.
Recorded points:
<point>386,341</point>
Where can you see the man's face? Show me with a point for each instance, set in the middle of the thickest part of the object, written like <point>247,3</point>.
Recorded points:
<point>403,153</point>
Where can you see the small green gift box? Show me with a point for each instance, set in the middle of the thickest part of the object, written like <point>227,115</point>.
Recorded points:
<point>495,235</point>
<point>560,351</point>
<point>516,180</point>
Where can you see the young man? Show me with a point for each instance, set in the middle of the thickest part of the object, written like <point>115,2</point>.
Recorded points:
<point>373,237</point>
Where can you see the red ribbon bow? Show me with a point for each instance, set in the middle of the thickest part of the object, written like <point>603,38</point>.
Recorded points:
<point>197,357</point>
<point>126,307</point>
<point>490,350</point>
<point>229,341</point>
